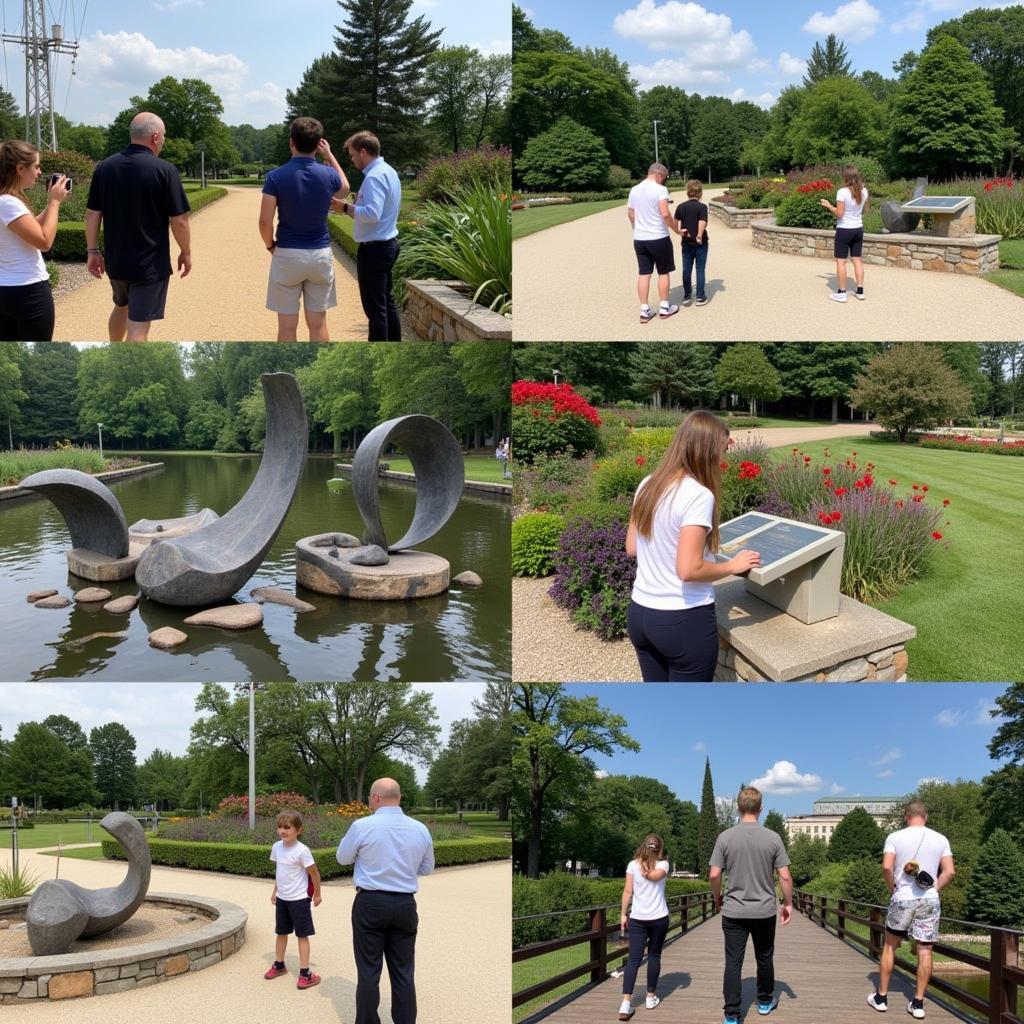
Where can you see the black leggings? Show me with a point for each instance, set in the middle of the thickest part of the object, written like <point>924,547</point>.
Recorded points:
<point>678,646</point>
<point>26,312</point>
<point>652,935</point>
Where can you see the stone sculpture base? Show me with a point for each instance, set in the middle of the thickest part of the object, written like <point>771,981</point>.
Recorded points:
<point>148,531</point>
<point>100,568</point>
<point>409,574</point>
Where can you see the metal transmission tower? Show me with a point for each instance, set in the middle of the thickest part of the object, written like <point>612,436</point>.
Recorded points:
<point>40,125</point>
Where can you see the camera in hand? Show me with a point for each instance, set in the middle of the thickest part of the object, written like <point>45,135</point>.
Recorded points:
<point>55,176</point>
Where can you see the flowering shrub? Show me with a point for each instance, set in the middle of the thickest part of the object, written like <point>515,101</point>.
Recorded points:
<point>967,443</point>
<point>801,209</point>
<point>268,805</point>
<point>743,478</point>
<point>445,176</point>
<point>534,542</point>
<point>561,396</point>
<point>998,183</point>
<point>594,576</point>
<point>821,185</point>
<point>651,442</point>
<point>619,477</point>
<point>550,418</point>
<point>353,809</point>
<point>999,202</point>
<point>799,481</point>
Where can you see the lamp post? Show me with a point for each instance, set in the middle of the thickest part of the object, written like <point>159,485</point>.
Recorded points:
<point>252,756</point>
<point>100,425</point>
<point>556,373</point>
<point>656,123</point>
<point>202,163</point>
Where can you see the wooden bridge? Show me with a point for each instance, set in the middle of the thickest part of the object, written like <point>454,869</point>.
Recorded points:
<point>819,977</point>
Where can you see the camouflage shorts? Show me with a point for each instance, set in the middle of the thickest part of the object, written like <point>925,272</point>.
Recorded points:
<point>917,918</point>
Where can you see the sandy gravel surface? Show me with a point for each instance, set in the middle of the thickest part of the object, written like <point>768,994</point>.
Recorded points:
<point>577,282</point>
<point>463,954</point>
<point>224,297</point>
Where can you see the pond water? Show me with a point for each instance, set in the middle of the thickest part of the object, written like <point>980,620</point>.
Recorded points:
<point>464,634</point>
<point>977,984</point>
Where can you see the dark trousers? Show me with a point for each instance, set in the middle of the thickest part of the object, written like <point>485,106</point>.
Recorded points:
<point>694,255</point>
<point>736,930</point>
<point>384,928</point>
<point>652,935</point>
<point>26,312</point>
<point>674,646</point>
<point>374,262</point>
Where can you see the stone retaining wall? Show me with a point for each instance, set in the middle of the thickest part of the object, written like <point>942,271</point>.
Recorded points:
<point>978,254</point>
<point>409,478</point>
<point>120,969</point>
<point>108,477</point>
<point>888,665</point>
<point>439,312</point>
<point>734,217</point>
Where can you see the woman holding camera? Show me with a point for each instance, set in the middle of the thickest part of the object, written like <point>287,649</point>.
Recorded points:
<point>26,301</point>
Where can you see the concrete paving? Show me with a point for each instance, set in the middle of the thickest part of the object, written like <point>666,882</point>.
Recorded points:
<point>577,282</point>
<point>463,953</point>
<point>224,296</point>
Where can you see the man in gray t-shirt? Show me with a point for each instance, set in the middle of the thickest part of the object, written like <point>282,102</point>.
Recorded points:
<point>750,855</point>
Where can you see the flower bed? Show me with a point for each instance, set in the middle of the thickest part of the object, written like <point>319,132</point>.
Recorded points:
<point>967,443</point>
<point>548,419</point>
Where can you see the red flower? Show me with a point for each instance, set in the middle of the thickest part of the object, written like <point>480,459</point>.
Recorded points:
<point>936,535</point>
<point>918,497</point>
<point>559,398</point>
<point>945,502</point>
<point>854,454</point>
<point>924,487</point>
<point>868,479</point>
<point>840,491</point>
<point>829,484</point>
<point>900,503</point>
<point>807,459</point>
<point>915,486</point>
<point>859,484</point>
<point>837,517</point>
<point>641,461</point>
<point>826,470</point>
<point>892,482</point>
<point>723,466</point>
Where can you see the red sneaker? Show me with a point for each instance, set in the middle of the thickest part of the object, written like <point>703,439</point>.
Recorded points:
<point>275,972</point>
<point>308,980</point>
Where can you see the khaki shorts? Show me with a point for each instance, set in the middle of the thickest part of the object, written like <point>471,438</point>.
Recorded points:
<point>301,274</point>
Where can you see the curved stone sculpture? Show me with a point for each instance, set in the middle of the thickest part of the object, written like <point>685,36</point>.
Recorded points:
<point>213,563</point>
<point>440,473</point>
<point>93,515</point>
<point>61,912</point>
<point>895,218</point>
<point>148,531</point>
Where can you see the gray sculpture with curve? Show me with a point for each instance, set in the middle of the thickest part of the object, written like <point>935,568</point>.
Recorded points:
<point>60,912</point>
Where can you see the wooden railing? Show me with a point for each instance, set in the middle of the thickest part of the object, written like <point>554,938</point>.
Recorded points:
<point>685,912</point>
<point>1001,965</point>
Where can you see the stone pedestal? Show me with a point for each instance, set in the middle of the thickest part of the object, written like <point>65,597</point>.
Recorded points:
<point>100,568</point>
<point>961,224</point>
<point>758,643</point>
<point>409,574</point>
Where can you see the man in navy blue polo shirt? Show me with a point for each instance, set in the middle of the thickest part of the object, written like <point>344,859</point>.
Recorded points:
<point>135,195</point>
<point>302,266</point>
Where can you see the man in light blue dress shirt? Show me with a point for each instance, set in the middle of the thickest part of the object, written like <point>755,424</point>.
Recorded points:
<point>389,850</point>
<point>375,213</point>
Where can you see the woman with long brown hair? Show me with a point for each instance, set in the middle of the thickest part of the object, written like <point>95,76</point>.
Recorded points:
<point>646,921</point>
<point>673,532</point>
<point>26,301</point>
<point>851,202</point>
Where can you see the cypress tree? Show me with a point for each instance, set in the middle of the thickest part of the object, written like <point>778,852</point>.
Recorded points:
<point>995,894</point>
<point>828,61</point>
<point>777,823</point>
<point>856,837</point>
<point>707,825</point>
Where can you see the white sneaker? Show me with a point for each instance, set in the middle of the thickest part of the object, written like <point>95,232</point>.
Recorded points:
<point>837,296</point>
<point>915,1011</point>
<point>652,1002</point>
<point>626,1010</point>
<point>860,295</point>
<point>875,1005</point>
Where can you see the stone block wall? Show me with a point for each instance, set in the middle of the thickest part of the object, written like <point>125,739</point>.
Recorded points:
<point>439,312</point>
<point>976,255</point>
<point>733,217</point>
<point>887,665</point>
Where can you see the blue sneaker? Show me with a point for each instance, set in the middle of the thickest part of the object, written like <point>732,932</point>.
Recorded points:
<point>765,1008</point>
<point>731,1020</point>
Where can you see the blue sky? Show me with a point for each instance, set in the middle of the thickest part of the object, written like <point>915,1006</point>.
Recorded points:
<point>251,53</point>
<point>799,743</point>
<point>743,50</point>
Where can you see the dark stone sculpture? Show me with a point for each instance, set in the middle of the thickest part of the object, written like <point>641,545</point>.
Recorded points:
<point>93,515</point>
<point>895,218</point>
<point>213,563</point>
<point>61,912</point>
<point>440,473</point>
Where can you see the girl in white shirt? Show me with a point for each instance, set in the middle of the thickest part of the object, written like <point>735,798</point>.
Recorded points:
<point>26,301</point>
<point>851,202</point>
<point>672,533</point>
<point>646,922</point>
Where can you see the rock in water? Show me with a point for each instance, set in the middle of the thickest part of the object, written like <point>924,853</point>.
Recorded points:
<point>167,637</point>
<point>38,595</point>
<point>78,644</point>
<point>120,605</point>
<point>372,554</point>
<point>230,616</point>
<point>53,602</point>
<point>468,579</point>
<point>92,595</point>
<point>275,595</point>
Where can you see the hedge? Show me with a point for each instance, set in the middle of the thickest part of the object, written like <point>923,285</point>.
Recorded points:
<point>986,446</point>
<point>340,229</point>
<point>255,860</point>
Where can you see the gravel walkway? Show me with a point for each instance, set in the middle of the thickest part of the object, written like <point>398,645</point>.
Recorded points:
<point>577,282</point>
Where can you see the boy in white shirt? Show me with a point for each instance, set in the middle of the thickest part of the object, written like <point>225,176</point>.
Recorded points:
<point>296,886</point>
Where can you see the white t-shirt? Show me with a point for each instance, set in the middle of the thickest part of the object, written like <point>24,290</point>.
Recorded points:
<point>292,877</point>
<point>20,263</point>
<point>648,897</point>
<point>852,212</point>
<point>657,584</point>
<point>644,199</point>
<point>922,844</point>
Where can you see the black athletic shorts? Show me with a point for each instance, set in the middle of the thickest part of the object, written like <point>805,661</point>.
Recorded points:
<point>145,299</point>
<point>295,916</point>
<point>849,242</point>
<point>654,252</point>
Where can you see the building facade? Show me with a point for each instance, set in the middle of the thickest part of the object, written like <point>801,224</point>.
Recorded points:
<point>829,811</point>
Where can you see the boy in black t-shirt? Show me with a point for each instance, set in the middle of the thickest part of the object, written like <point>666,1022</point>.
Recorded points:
<point>692,218</point>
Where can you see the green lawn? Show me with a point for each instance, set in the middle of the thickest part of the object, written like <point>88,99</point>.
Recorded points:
<point>967,610</point>
<point>479,823</point>
<point>1011,274</point>
<point>51,835</point>
<point>79,853</point>
<point>478,467</point>
<point>537,218</point>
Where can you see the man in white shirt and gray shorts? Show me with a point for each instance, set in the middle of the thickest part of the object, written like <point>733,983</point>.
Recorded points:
<point>652,222</point>
<point>917,863</point>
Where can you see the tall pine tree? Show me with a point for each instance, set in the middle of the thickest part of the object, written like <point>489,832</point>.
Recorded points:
<point>707,825</point>
<point>828,61</point>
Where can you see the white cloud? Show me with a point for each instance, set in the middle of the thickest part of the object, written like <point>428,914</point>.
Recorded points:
<point>784,779</point>
<point>948,717</point>
<point>915,21</point>
<point>893,754</point>
<point>887,774</point>
<point>675,72</point>
<point>426,5</point>
<point>764,99</point>
<point>930,778</point>
<point>699,745</point>
<point>495,46</point>
<point>981,715</point>
<point>600,773</point>
<point>795,67</point>
<point>854,21</point>
<point>707,39</point>
<point>176,5</point>
<point>835,789</point>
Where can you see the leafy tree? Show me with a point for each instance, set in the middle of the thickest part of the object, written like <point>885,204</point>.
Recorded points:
<point>717,138</point>
<point>486,374</point>
<point>674,372</point>
<point>807,857</point>
<point>49,377</point>
<point>566,156</point>
<point>312,97</point>
<point>966,361</point>
<point>204,423</point>
<point>674,111</point>
<point>864,884</point>
<point>956,809</point>
<point>777,823</point>
<point>878,85</point>
<point>996,892</point>
<point>11,122</point>
<point>189,107</point>
<point>163,779</point>
<point>468,91</point>
<point>68,731</point>
<point>745,370</point>
<point>602,367</point>
<point>776,146</point>
<point>11,392</point>
<point>553,733</point>
<point>856,837</point>
<point>113,755</point>
<point>945,121</point>
<point>910,387</point>
<point>707,824</point>
<point>828,61</point>
<point>837,117</point>
<point>38,765</point>
<point>814,371</point>
<point>340,392</point>
<point>1004,801</point>
<point>1008,741</point>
